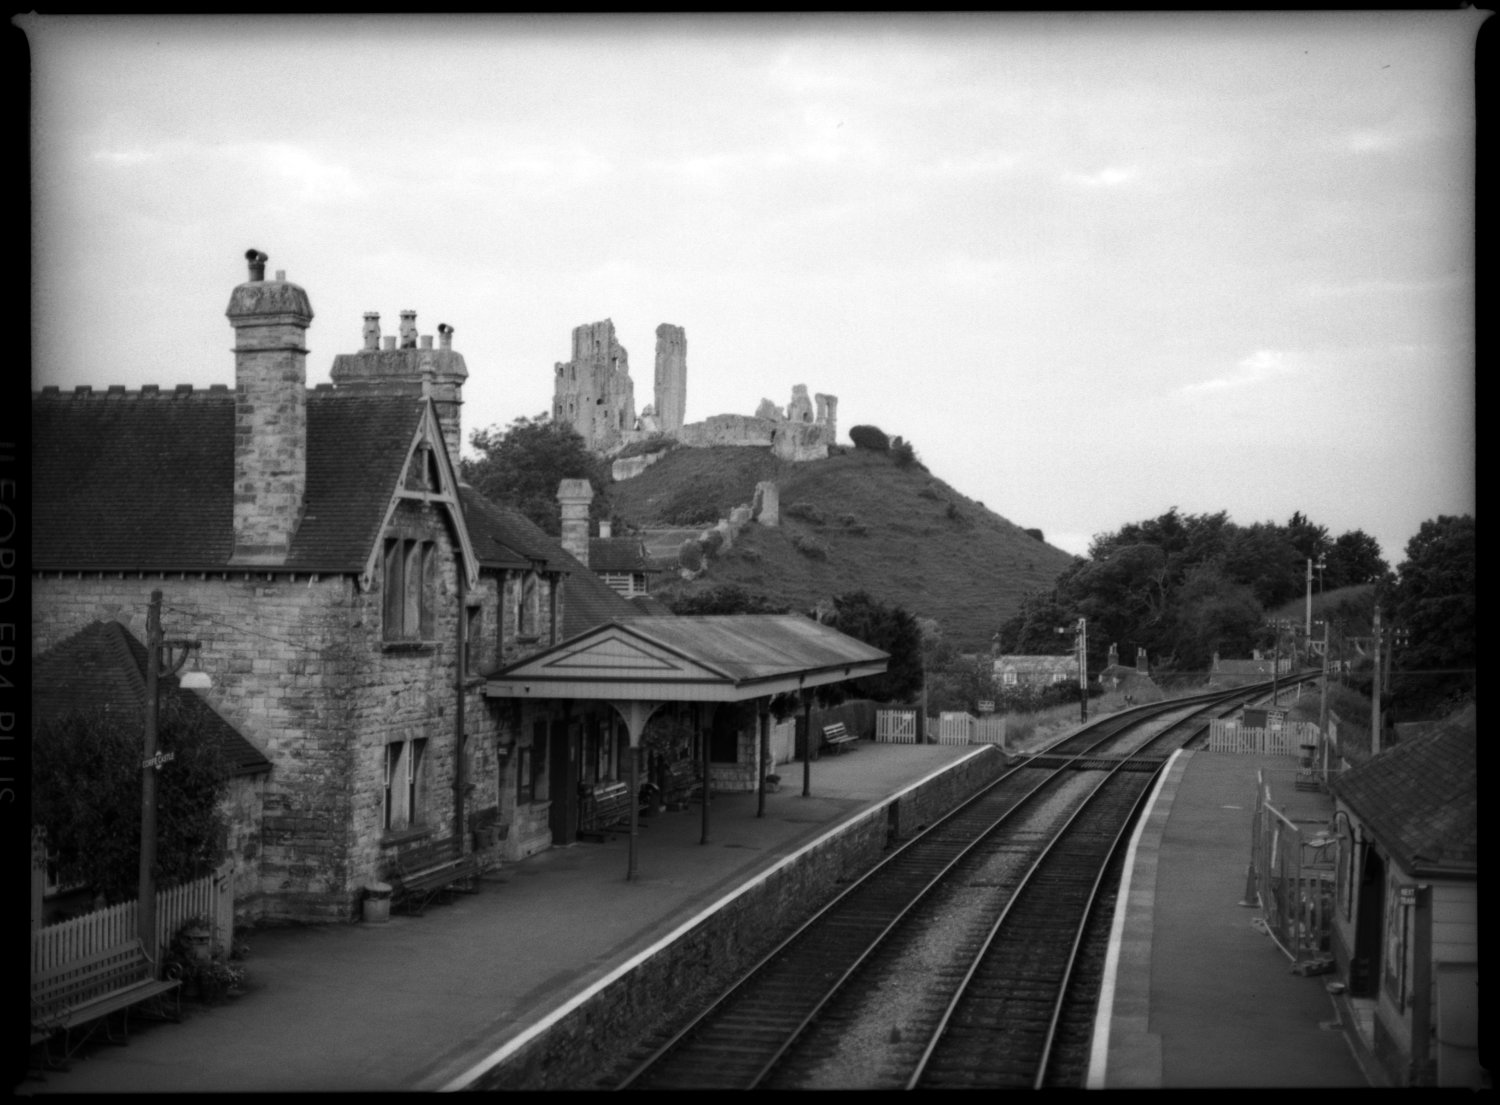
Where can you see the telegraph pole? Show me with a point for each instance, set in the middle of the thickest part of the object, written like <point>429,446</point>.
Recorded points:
<point>145,906</point>
<point>1375,691</point>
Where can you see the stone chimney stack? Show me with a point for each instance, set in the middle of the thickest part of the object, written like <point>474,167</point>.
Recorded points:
<point>1140,660</point>
<point>1114,656</point>
<point>606,530</point>
<point>574,496</point>
<point>270,321</point>
<point>414,368</point>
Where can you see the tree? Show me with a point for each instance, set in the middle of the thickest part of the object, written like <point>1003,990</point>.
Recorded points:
<point>1352,559</point>
<point>86,798</point>
<point>1434,602</point>
<point>523,464</point>
<point>889,628</point>
<point>727,598</point>
<point>1212,615</point>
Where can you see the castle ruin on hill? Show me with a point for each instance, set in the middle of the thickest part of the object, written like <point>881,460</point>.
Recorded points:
<point>595,395</point>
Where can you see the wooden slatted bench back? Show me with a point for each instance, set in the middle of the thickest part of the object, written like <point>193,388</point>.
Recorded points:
<point>837,736</point>
<point>605,805</point>
<point>116,968</point>
<point>683,782</point>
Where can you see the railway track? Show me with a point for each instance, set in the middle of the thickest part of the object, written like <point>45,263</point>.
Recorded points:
<point>953,963</point>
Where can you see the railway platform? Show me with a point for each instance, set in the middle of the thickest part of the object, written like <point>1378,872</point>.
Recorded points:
<point>1200,998</point>
<point>420,1003</point>
<point>1195,995</point>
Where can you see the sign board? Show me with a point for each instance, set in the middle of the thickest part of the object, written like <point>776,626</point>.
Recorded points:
<point>1406,895</point>
<point>160,758</point>
<point>986,706</point>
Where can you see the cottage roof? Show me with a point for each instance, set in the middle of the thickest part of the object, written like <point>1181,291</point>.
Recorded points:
<point>103,666</point>
<point>1037,664</point>
<point>1420,798</point>
<point>712,658</point>
<point>145,480</point>
<point>619,554</point>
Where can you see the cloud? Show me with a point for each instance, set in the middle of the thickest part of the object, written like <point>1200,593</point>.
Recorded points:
<point>134,156</point>
<point>1111,177</point>
<point>1260,366</point>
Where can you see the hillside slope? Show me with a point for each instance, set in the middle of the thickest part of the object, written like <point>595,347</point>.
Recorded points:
<point>852,522</point>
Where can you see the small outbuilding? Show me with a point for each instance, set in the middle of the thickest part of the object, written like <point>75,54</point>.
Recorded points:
<point>1406,923</point>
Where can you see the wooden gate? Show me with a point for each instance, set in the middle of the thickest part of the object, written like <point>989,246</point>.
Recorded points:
<point>896,726</point>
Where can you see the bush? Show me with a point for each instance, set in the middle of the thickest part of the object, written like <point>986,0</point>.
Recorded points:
<point>690,555</point>
<point>902,452</point>
<point>810,547</point>
<point>870,437</point>
<point>806,512</point>
<point>928,493</point>
<point>711,542</point>
<point>1034,534</point>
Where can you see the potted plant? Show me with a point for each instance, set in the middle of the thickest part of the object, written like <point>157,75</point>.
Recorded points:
<point>773,783</point>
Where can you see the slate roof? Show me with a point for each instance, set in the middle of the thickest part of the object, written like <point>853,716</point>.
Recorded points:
<point>619,554</point>
<point>1038,665</point>
<point>1420,798</point>
<point>145,480</point>
<point>104,666</point>
<point>503,537</point>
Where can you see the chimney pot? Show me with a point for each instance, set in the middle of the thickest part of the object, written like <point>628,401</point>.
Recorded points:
<point>372,331</point>
<point>257,261</point>
<point>408,329</point>
<point>446,333</point>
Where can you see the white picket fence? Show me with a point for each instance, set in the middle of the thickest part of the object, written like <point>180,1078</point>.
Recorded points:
<point>62,943</point>
<point>956,727</point>
<point>896,726</point>
<point>1230,736</point>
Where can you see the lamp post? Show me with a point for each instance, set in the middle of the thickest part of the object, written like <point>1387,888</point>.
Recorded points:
<point>157,665</point>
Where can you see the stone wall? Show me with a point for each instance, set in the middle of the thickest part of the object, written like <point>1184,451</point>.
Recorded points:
<point>581,1046</point>
<point>301,669</point>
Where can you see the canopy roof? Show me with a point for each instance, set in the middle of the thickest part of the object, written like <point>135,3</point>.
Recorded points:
<point>715,658</point>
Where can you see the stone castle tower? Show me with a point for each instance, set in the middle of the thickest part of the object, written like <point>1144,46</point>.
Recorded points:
<point>593,393</point>
<point>671,377</point>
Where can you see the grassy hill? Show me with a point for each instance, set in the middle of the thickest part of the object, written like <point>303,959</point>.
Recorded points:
<point>852,522</point>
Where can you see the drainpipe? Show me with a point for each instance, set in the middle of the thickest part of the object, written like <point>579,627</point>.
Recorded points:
<point>462,666</point>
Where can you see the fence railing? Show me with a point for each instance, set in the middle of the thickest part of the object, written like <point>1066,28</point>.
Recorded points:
<point>66,941</point>
<point>1292,880</point>
<point>956,727</point>
<point>1229,736</point>
<point>896,726</point>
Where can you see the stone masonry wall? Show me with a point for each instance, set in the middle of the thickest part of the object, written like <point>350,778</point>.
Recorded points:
<point>301,669</point>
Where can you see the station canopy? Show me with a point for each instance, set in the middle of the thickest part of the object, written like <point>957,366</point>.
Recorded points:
<point>711,658</point>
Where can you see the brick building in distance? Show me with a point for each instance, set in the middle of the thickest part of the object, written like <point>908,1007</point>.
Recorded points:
<point>347,589</point>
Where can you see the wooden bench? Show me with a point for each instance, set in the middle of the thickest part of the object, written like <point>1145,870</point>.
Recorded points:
<point>837,737</point>
<point>422,872</point>
<point>683,783</point>
<point>604,808</point>
<point>85,993</point>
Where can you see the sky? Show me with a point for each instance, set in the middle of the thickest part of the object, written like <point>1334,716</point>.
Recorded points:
<point>1091,266</point>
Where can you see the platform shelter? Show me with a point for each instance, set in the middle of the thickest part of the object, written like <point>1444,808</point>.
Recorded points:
<point>636,667</point>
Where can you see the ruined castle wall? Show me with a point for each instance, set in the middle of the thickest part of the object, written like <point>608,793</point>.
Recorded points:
<point>671,377</point>
<point>728,429</point>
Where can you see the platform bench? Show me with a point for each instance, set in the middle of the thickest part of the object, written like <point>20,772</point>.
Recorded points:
<point>420,873</point>
<point>605,808</point>
<point>837,737</point>
<point>84,994</point>
<point>683,783</point>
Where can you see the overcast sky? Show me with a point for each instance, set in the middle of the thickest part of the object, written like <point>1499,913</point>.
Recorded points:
<point>1092,267</point>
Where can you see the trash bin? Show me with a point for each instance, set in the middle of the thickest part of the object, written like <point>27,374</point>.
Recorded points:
<point>377,906</point>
